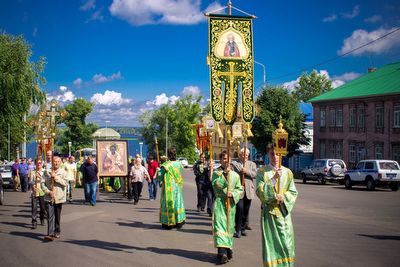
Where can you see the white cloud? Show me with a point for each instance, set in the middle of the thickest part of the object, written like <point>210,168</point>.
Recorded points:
<point>100,78</point>
<point>109,98</point>
<point>97,15</point>
<point>118,116</point>
<point>62,95</point>
<point>291,86</point>
<point>191,90</point>
<point>139,12</point>
<point>353,14</point>
<point>333,17</point>
<point>360,37</point>
<point>337,80</point>
<point>88,5</point>
<point>348,76</point>
<point>330,18</point>
<point>373,19</point>
<point>162,99</point>
<point>77,82</point>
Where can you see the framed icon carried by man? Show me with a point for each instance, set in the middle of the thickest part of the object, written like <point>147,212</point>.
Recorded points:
<point>112,157</point>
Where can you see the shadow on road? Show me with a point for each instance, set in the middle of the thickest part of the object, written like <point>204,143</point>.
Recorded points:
<point>196,231</point>
<point>29,235</point>
<point>139,225</point>
<point>113,246</point>
<point>23,225</point>
<point>200,223</point>
<point>382,237</point>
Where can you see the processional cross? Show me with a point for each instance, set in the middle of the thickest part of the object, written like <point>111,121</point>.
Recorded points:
<point>232,93</point>
<point>53,113</point>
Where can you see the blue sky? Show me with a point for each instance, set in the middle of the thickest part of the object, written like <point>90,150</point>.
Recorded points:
<point>130,56</point>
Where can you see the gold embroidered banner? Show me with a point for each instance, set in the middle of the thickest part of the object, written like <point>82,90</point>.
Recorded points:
<point>231,67</point>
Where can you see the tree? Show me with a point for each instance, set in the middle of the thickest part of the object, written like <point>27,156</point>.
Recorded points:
<point>77,131</point>
<point>272,103</point>
<point>20,80</point>
<point>311,85</point>
<point>180,117</point>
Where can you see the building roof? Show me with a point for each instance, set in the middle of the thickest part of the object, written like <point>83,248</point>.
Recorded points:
<point>106,133</point>
<point>383,81</point>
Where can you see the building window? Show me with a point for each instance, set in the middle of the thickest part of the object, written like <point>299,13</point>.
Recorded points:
<point>378,151</point>
<point>352,153</point>
<point>215,138</point>
<point>339,117</point>
<point>339,150</point>
<point>322,120</point>
<point>396,153</point>
<point>361,152</point>
<point>396,116</point>
<point>321,149</point>
<point>379,111</point>
<point>331,149</point>
<point>361,117</point>
<point>353,117</point>
<point>331,118</point>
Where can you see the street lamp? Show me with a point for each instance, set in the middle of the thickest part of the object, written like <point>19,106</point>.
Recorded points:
<point>69,148</point>
<point>141,146</point>
<point>264,75</point>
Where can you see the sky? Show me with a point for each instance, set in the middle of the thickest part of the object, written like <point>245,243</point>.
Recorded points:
<point>129,57</point>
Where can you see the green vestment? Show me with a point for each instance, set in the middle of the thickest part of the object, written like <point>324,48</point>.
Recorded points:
<point>223,237</point>
<point>276,223</point>
<point>172,210</point>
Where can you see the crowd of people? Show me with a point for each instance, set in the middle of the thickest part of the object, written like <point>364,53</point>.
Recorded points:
<point>225,193</point>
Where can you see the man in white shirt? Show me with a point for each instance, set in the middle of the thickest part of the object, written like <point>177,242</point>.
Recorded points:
<point>71,170</point>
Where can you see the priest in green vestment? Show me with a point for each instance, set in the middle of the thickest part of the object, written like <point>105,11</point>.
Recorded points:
<point>277,192</point>
<point>223,221</point>
<point>172,210</point>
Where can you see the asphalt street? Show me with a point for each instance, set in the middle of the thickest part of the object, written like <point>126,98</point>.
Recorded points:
<point>333,227</point>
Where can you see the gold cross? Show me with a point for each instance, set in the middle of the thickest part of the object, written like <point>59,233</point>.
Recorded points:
<point>53,113</point>
<point>232,94</point>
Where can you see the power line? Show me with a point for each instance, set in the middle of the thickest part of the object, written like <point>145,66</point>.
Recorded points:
<point>337,57</point>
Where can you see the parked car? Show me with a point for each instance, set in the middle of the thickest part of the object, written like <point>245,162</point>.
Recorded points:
<point>6,174</point>
<point>323,170</point>
<point>374,173</point>
<point>184,162</point>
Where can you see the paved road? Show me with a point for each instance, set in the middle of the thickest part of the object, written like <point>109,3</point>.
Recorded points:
<point>334,227</point>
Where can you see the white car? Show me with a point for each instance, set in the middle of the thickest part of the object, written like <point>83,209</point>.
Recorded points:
<point>373,173</point>
<point>322,170</point>
<point>184,162</point>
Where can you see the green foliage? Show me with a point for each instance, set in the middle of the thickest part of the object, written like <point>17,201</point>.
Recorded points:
<point>311,85</point>
<point>20,80</point>
<point>77,131</point>
<point>272,103</point>
<point>180,116</point>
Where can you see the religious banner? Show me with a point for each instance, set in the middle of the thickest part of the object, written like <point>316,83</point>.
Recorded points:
<point>112,157</point>
<point>231,67</point>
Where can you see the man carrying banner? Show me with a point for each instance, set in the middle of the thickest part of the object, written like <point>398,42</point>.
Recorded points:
<point>172,210</point>
<point>277,192</point>
<point>227,190</point>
